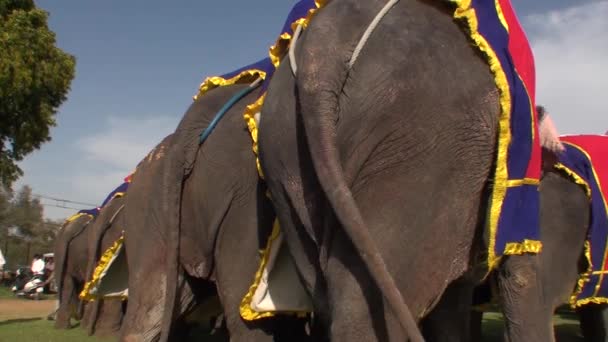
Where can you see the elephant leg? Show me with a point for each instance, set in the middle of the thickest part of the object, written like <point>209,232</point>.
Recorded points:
<point>142,321</point>
<point>476,323</point>
<point>108,319</point>
<point>146,302</point>
<point>594,322</point>
<point>90,315</point>
<point>357,311</point>
<point>527,317</point>
<point>450,319</point>
<point>66,304</point>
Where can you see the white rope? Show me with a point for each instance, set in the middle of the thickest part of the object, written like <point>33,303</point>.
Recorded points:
<point>256,82</point>
<point>372,26</point>
<point>292,50</point>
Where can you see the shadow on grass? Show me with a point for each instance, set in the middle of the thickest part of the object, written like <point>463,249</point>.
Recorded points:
<point>19,320</point>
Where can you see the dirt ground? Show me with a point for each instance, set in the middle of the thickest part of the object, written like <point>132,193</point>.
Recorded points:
<point>25,308</point>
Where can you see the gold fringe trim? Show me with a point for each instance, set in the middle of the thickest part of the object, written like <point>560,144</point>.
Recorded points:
<point>282,44</point>
<point>512,183</point>
<point>467,14</point>
<point>575,177</point>
<point>76,216</point>
<point>518,248</point>
<point>276,52</point>
<point>249,116</point>
<point>501,15</point>
<point>245,308</point>
<point>86,294</point>
<point>583,279</point>
<point>245,77</point>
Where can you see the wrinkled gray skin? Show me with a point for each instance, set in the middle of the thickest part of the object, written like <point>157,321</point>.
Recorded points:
<point>564,226</point>
<point>103,317</point>
<point>197,216</point>
<point>401,148</point>
<point>71,252</point>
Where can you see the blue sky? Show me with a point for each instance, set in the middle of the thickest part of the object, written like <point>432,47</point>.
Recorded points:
<point>140,62</point>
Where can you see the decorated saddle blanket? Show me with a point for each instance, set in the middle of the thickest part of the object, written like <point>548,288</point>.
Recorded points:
<point>111,267</point>
<point>110,279</point>
<point>84,212</point>
<point>586,161</point>
<point>513,209</point>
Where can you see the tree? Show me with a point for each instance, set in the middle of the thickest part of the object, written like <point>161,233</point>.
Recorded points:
<point>23,229</point>
<point>26,213</point>
<point>35,77</point>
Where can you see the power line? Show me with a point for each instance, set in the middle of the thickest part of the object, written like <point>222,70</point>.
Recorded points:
<point>63,200</point>
<point>61,206</point>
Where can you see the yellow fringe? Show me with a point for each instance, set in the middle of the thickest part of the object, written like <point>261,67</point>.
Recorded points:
<point>512,183</point>
<point>86,294</point>
<point>518,248</point>
<point>501,15</point>
<point>76,216</point>
<point>584,278</point>
<point>575,177</point>
<point>245,308</point>
<point>467,14</point>
<point>282,44</point>
<point>249,117</point>
<point>245,77</point>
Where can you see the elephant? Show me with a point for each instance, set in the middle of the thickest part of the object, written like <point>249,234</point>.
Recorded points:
<point>104,317</point>
<point>71,252</point>
<point>397,149</point>
<point>565,223</point>
<point>196,217</point>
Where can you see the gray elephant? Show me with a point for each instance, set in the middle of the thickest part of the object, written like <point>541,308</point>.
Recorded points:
<point>103,317</point>
<point>392,145</point>
<point>570,225</point>
<point>71,252</point>
<point>195,219</point>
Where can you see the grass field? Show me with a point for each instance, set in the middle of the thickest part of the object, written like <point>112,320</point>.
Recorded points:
<point>23,320</point>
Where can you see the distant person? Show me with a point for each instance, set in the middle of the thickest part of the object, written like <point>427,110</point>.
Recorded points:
<point>2,263</point>
<point>38,265</point>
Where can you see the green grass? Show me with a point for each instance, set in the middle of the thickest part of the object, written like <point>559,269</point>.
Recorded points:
<point>5,292</point>
<point>39,330</point>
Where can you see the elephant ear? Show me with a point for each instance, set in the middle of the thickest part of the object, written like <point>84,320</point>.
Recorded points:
<point>549,137</point>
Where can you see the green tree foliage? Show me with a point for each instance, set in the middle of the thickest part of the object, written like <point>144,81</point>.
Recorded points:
<point>23,230</point>
<point>35,77</point>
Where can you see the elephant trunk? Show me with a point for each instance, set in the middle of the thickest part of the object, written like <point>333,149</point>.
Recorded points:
<point>320,81</point>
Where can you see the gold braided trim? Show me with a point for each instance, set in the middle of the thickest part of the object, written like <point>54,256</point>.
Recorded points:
<point>247,313</point>
<point>105,259</point>
<point>467,14</point>
<point>575,177</point>
<point>501,15</point>
<point>518,248</point>
<point>512,183</point>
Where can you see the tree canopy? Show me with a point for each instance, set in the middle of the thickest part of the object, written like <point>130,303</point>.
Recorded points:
<point>23,230</point>
<point>35,77</point>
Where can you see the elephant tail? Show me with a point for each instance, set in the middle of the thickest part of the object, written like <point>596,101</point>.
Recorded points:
<point>172,207</point>
<point>319,93</point>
